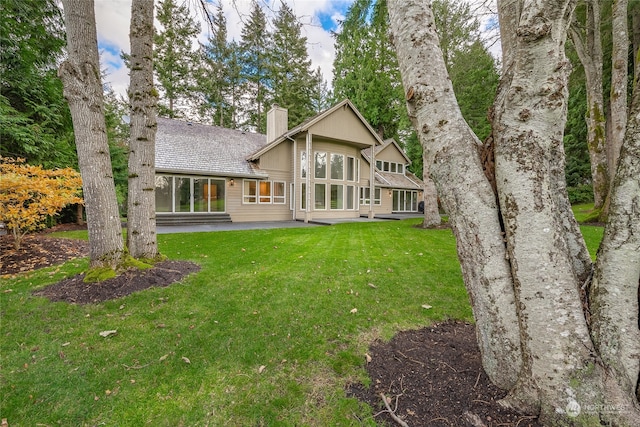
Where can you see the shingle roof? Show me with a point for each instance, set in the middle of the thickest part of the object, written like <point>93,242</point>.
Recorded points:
<point>397,180</point>
<point>184,147</point>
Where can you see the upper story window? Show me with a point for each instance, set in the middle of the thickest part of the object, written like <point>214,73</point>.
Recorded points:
<point>321,165</point>
<point>337,166</point>
<point>392,167</point>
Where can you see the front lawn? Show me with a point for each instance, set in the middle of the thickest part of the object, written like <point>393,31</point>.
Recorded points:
<point>269,332</point>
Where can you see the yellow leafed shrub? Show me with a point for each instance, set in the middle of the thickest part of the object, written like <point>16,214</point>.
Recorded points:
<point>29,194</point>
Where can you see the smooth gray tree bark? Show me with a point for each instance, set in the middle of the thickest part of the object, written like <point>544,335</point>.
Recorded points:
<point>80,75</point>
<point>141,215</point>
<point>540,272</point>
<point>452,156</point>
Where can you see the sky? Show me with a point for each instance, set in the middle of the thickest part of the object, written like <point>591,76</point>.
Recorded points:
<point>319,19</point>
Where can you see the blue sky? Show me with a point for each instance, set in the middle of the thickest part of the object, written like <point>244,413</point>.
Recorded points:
<point>319,17</point>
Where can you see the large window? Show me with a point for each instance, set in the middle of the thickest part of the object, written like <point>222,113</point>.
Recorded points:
<point>337,166</point>
<point>189,194</point>
<point>164,193</point>
<point>320,196</point>
<point>303,164</point>
<point>321,165</point>
<point>351,197</point>
<point>337,196</point>
<point>352,169</point>
<point>405,201</point>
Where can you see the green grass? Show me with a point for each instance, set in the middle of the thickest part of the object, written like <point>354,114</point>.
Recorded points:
<point>280,299</point>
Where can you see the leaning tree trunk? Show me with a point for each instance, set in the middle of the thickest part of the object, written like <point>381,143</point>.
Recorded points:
<point>452,155</point>
<point>141,215</point>
<point>80,75</point>
<point>616,285</point>
<point>588,45</point>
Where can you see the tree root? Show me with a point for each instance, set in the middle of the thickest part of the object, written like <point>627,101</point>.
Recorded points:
<point>392,412</point>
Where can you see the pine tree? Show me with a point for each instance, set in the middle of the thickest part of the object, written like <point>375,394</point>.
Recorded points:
<point>220,78</point>
<point>174,58</point>
<point>366,70</point>
<point>254,47</point>
<point>290,74</point>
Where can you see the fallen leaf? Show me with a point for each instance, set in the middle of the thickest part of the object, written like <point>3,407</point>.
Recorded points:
<point>107,392</point>
<point>186,360</point>
<point>108,333</point>
<point>368,357</point>
<point>371,285</point>
<point>163,358</point>
<point>66,344</point>
<point>354,310</point>
<point>426,306</point>
<point>261,369</point>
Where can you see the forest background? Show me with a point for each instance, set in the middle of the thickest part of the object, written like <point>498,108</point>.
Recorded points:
<point>231,82</point>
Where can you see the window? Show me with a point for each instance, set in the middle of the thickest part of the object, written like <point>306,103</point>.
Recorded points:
<point>303,164</point>
<point>250,191</point>
<point>400,168</point>
<point>321,165</point>
<point>189,194</point>
<point>164,193</point>
<point>337,196</point>
<point>303,197</point>
<point>386,166</point>
<point>337,166</point>
<point>278,192</point>
<point>405,201</point>
<point>182,195</point>
<point>352,169</point>
<point>351,197</point>
<point>201,191</point>
<point>379,165</point>
<point>392,167</point>
<point>265,192</point>
<point>320,196</point>
<point>364,196</point>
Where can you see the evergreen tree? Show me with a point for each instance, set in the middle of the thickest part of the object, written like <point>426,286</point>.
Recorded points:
<point>457,27</point>
<point>221,79</point>
<point>254,47</point>
<point>35,122</point>
<point>366,70</point>
<point>174,59</point>
<point>290,75</point>
<point>475,77</point>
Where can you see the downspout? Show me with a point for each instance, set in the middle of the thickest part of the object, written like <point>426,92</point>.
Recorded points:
<point>307,214</point>
<point>372,183</point>
<point>295,177</point>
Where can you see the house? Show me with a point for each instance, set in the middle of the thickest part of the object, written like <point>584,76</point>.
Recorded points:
<point>331,166</point>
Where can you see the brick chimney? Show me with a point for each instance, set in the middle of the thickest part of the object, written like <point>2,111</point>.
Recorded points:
<point>277,122</point>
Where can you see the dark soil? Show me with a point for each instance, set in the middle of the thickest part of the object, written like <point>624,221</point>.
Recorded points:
<point>432,376</point>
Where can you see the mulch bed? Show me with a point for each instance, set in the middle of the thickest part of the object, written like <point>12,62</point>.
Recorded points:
<point>432,376</point>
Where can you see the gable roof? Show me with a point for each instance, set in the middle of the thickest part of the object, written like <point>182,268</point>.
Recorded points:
<point>366,153</point>
<point>309,123</point>
<point>192,148</point>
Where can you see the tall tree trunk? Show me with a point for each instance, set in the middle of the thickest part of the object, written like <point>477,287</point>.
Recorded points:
<point>619,76</point>
<point>615,290</point>
<point>141,219</point>
<point>588,45</point>
<point>543,265</point>
<point>431,212</point>
<point>80,75</point>
<point>452,156</point>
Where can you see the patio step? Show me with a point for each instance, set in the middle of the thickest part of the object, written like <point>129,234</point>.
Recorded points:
<point>192,218</point>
